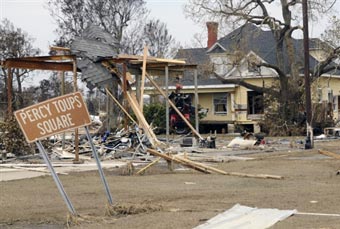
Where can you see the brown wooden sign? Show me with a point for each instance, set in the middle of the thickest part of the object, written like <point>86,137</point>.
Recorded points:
<point>53,116</point>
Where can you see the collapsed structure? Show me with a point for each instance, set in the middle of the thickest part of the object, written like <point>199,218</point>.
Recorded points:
<point>93,55</point>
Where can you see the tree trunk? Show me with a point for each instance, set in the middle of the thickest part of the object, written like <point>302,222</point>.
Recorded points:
<point>20,100</point>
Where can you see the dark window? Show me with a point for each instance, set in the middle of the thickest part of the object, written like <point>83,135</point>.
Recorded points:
<point>220,103</point>
<point>255,102</point>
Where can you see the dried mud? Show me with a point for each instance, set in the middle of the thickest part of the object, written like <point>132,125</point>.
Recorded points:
<point>183,198</point>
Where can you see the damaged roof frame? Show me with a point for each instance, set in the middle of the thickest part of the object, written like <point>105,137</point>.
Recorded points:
<point>69,63</point>
<point>52,63</point>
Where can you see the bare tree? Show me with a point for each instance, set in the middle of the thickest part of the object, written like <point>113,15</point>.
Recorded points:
<point>332,34</point>
<point>158,38</point>
<point>15,43</point>
<point>133,42</point>
<point>114,16</point>
<point>283,18</point>
<point>125,20</point>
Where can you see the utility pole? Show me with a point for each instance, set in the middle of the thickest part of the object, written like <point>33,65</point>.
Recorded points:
<point>309,139</point>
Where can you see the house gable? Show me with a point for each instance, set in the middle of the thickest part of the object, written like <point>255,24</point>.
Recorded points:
<point>216,48</point>
<point>245,70</point>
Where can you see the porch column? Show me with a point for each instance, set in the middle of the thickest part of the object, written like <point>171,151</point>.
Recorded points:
<point>167,103</point>
<point>196,101</point>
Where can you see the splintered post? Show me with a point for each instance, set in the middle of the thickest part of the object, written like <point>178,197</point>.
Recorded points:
<point>53,116</point>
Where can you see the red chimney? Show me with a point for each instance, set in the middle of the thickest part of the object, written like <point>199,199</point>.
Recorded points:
<point>212,33</point>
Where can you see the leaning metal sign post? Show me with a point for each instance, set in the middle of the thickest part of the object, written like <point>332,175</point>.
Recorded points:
<point>52,117</point>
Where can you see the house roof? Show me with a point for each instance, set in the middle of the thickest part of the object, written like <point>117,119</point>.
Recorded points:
<point>93,45</point>
<point>250,38</point>
<point>193,56</point>
<point>200,57</point>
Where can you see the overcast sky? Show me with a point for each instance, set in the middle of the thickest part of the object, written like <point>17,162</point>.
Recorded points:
<point>33,17</point>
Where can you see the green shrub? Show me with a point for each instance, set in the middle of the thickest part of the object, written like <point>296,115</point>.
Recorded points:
<point>12,137</point>
<point>155,115</point>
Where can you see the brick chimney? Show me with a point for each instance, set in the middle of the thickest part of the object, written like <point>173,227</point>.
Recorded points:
<point>212,33</point>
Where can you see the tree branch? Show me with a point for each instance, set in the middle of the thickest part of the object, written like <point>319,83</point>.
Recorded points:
<point>274,67</point>
<point>243,83</point>
<point>324,66</point>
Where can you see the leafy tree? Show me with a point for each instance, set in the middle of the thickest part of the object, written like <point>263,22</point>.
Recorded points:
<point>15,43</point>
<point>289,93</point>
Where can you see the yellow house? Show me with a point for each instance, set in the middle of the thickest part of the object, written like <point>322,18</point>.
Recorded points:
<point>232,107</point>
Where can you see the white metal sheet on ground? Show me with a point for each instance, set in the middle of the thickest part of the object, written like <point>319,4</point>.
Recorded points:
<point>243,217</point>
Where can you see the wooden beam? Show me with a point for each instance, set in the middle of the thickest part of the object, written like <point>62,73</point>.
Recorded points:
<point>149,59</point>
<point>125,86</point>
<point>9,92</point>
<point>141,100</point>
<point>167,110</point>
<point>37,65</point>
<point>170,159</point>
<point>196,102</point>
<point>44,58</point>
<point>142,121</point>
<point>209,168</point>
<point>148,166</point>
<point>58,48</point>
<point>329,154</point>
<point>76,131</point>
<point>119,105</point>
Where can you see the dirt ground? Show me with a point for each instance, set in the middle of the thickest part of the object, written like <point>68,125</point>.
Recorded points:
<point>183,198</point>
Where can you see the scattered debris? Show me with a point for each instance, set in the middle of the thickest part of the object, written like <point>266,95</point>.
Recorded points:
<point>131,209</point>
<point>329,134</point>
<point>208,169</point>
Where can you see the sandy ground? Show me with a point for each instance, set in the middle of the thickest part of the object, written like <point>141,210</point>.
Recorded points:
<point>183,198</point>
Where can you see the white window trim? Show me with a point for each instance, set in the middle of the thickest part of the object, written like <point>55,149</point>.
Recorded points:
<point>226,104</point>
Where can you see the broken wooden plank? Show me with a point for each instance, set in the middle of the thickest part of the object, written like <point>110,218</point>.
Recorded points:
<point>209,168</point>
<point>141,100</point>
<point>203,166</point>
<point>264,176</point>
<point>169,158</point>
<point>216,159</point>
<point>142,121</point>
<point>330,154</point>
<point>148,166</point>
<point>150,59</point>
<point>120,106</point>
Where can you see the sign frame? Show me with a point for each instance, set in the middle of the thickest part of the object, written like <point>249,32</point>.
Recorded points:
<point>53,116</point>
